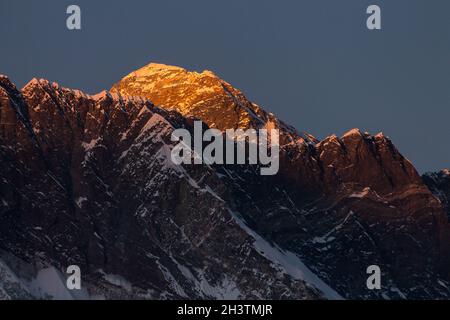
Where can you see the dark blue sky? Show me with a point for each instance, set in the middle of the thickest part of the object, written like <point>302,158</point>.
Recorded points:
<point>313,63</point>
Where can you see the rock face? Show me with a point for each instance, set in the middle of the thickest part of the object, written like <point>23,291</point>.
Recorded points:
<point>88,180</point>
<point>439,184</point>
<point>201,94</point>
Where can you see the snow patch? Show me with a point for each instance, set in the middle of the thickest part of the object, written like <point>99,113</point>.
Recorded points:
<point>288,261</point>
<point>89,146</point>
<point>117,281</point>
<point>80,201</point>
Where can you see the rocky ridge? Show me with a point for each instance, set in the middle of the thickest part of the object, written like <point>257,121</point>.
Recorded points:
<point>88,180</point>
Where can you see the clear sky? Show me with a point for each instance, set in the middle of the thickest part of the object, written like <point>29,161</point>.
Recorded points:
<point>313,62</point>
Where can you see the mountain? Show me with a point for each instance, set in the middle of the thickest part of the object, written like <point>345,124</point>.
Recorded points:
<point>88,180</point>
<point>315,165</point>
<point>355,193</point>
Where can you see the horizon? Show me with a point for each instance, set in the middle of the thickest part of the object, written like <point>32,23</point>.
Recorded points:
<point>320,138</point>
<point>318,69</point>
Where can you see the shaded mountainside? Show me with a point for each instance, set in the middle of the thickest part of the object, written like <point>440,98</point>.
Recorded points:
<point>439,184</point>
<point>88,180</point>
